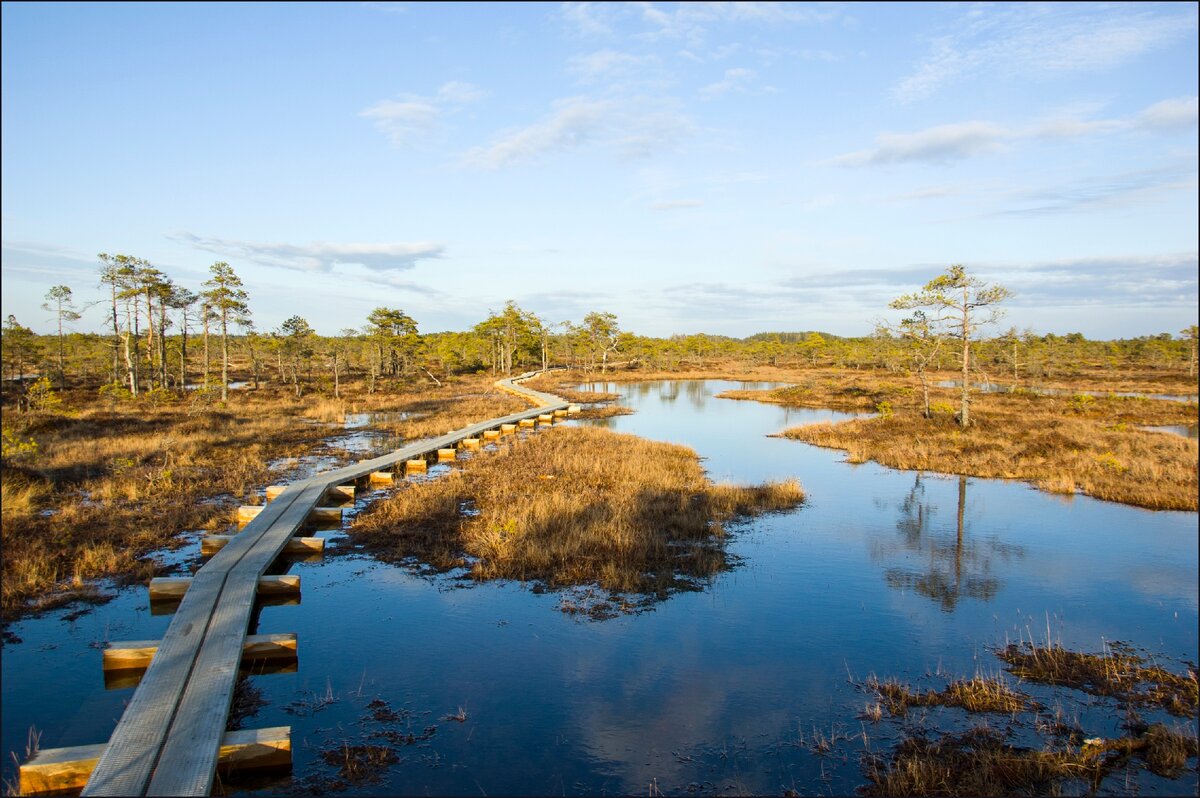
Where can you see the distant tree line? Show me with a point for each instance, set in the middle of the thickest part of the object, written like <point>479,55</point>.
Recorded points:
<point>149,345</point>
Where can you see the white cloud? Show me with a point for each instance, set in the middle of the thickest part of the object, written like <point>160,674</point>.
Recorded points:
<point>318,256</point>
<point>590,19</point>
<point>941,143</point>
<point>607,64</point>
<point>1036,41</point>
<point>634,127</point>
<point>735,80</point>
<point>414,116</point>
<point>965,139</point>
<point>1180,112</point>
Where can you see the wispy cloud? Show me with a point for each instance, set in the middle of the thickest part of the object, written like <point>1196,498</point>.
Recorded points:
<point>591,19</point>
<point>940,143</point>
<point>688,22</point>
<point>1104,191</point>
<point>317,256</point>
<point>1036,40</point>
<point>736,79</point>
<point>1167,280</point>
<point>604,65</point>
<point>633,127</point>
<point>691,21</point>
<point>414,116</point>
<point>965,139</point>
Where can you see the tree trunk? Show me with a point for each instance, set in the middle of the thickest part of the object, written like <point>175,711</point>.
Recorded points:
<point>207,355</point>
<point>964,412</point>
<point>224,355</point>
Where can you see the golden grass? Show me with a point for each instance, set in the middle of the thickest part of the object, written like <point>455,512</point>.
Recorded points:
<point>982,762</point>
<point>1061,444</point>
<point>110,483</point>
<point>978,694</point>
<point>574,506</point>
<point>1118,673</point>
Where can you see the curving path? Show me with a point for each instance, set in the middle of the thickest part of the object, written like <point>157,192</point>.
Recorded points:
<point>171,735</point>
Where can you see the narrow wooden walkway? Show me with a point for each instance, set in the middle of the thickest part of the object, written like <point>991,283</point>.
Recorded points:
<point>169,738</point>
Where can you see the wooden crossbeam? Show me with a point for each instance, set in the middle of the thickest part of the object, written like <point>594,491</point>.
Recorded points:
<point>53,770</point>
<point>129,655</point>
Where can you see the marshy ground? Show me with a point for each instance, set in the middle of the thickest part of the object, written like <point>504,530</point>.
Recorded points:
<point>1060,443</point>
<point>109,482</point>
<point>1021,747</point>
<point>577,506</point>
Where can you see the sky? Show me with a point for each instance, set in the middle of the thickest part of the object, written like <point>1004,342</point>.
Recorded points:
<point>727,168</point>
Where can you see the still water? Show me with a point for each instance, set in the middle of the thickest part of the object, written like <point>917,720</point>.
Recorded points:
<point>490,689</point>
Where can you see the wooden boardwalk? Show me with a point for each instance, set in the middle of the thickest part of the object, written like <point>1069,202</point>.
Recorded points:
<point>169,739</point>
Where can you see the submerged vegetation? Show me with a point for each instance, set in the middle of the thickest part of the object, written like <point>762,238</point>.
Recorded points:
<point>580,506</point>
<point>983,761</point>
<point>1035,754</point>
<point>1118,673</point>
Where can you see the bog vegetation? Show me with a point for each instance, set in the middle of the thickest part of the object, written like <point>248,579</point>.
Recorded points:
<point>579,506</point>
<point>115,440</point>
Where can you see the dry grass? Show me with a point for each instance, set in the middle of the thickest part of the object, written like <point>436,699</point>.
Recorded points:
<point>575,506</point>
<point>111,482</point>
<point>982,762</point>
<point>1061,444</point>
<point>979,694</point>
<point>1117,673</point>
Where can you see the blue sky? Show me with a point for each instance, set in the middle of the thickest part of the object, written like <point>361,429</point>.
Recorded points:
<point>721,168</point>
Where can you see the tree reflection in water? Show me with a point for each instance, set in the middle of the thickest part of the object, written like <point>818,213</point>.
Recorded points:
<point>955,567</point>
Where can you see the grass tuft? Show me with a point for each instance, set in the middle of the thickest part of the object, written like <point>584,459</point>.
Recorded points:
<point>577,506</point>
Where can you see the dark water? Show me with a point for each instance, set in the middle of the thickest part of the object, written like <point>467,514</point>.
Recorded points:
<point>721,691</point>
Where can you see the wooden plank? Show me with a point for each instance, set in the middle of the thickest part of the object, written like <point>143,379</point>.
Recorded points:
<point>325,515</point>
<point>127,764</point>
<point>340,493</point>
<point>173,588</point>
<point>446,455</point>
<point>417,466</point>
<point>134,654</point>
<point>184,766</point>
<point>64,769</point>
<point>211,544</point>
<point>159,745</point>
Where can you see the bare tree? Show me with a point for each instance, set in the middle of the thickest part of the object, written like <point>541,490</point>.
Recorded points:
<point>958,305</point>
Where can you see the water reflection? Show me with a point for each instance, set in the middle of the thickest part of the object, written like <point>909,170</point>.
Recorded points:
<point>951,567</point>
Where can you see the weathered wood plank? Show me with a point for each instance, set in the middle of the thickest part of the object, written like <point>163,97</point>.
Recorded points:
<point>160,745</point>
<point>210,544</point>
<point>127,764</point>
<point>132,654</point>
<point>63,769</point>
<point>186,764</point>
<point>173,588</point>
